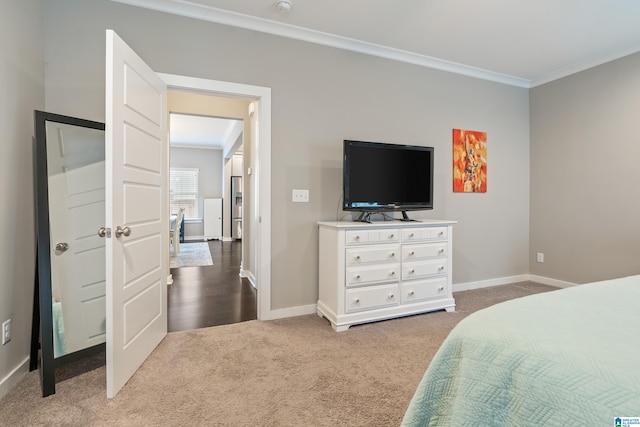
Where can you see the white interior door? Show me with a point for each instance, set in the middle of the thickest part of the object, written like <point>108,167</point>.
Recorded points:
<point>136,211</point>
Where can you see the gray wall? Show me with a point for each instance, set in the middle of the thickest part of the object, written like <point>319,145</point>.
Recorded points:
<point>585,148</point>
<point>22,80</point>
<point>321,96</point>
<point>209,163</point>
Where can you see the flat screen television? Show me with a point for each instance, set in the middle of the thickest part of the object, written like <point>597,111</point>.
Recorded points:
<point>380,177</point>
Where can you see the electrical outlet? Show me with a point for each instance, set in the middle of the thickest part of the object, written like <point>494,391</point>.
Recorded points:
<point>6,331</point>
<point>540,257</point>
<point>300,196</point>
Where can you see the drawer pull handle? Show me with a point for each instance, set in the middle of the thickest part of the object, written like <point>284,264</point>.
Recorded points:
<point>441,268</point>
<point>357,277</point>
<point>356,301</point>
<point>441,288</point>
<point>412,271</point>
<point>410,234</point>
<point>357,257</point>
<point>393,273</point>
<point>391,236</point>
<point>412,253</point>
<point>411,293</point>
<point>357,238</point>
<point>440,234</point>
<point>441,251</point>
<point>391,296</point>
<point>393,254</point>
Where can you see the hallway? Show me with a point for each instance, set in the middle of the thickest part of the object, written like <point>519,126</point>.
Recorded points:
<point>212,295</point>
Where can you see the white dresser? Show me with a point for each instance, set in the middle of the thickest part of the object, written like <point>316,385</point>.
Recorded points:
<point>383,270</point>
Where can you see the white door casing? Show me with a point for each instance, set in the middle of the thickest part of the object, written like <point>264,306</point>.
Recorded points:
<point>136,199</point>
<point>260,217</point>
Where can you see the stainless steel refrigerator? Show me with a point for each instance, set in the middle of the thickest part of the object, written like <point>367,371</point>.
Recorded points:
<point>236,207</point>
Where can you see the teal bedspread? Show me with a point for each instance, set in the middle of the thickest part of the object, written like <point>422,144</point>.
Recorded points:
<point>569,357</point>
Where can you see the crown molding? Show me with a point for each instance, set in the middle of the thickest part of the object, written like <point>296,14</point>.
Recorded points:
<point>581,67</point>
<point>234,19</point>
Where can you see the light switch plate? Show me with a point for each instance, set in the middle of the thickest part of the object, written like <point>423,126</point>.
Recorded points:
<point>6,331</point>
<point>300,196</point>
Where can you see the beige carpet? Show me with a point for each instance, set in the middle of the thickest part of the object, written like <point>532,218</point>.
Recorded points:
<point>288,372</point>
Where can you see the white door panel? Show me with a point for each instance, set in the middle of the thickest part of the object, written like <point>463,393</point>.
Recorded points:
<point>93,292</point>
<point>83,220</point>
<point>140,95</point>
<point>87,179</point>
<point>90,270</point>
<point>142,150</point>
<point>145,252</point>
<point>144,203</point>
<point>95,310</point>
<point>141,310</point>
<point>136,198</point>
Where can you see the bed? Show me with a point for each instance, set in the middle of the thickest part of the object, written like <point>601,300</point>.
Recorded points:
<point>569,357</point>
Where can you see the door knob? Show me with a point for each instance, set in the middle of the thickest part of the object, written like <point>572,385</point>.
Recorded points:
<point>62,247</point>
<point>126,231</point>
<point>104,232</point>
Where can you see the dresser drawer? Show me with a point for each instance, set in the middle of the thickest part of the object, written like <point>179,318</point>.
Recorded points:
<point>424,251</point>
<point>358,276</point>
<point>364,255</point>
<point>371,297</point>
<point>420,290</point>
<point>424,233</point>
<point>414,270</point>
<point>385,235</point>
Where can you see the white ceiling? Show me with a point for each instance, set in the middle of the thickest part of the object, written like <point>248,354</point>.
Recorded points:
<point>519,42</point>
<point>202,132</point>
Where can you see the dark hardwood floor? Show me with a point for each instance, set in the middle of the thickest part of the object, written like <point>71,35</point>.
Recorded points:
<point>212,295</point>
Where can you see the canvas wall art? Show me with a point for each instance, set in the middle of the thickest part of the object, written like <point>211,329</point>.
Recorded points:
<point>469,161</point>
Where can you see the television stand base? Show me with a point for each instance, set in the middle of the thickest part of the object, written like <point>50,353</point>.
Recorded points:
<point>405,218</point>
<point>364,217</point>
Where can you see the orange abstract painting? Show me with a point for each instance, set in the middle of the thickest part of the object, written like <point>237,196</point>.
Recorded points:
<point>469,161</point>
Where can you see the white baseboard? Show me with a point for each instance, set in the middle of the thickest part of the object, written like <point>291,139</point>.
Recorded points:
<point>511,279</point>
<point>311,308</point>
<point>249,276</point>
<point>551,282</point>
<point>457,287</point>
<point>292,312</point>
<point>8,382</point>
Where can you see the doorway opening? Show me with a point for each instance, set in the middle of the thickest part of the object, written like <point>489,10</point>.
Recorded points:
<point>205,203</point>
<point>257,151</point>
<point>204,171</point>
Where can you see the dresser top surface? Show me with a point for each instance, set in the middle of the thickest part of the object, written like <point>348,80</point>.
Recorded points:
<point>393,224</point>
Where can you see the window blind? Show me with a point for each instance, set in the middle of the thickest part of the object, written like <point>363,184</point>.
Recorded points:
<point>183,191</point>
